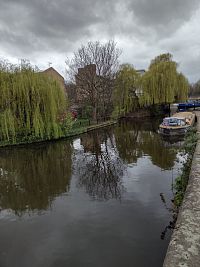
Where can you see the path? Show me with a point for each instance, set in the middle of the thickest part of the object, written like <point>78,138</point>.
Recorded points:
<point>184,247</point>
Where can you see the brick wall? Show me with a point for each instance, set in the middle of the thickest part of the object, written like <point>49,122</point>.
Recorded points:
<point>51,72</point>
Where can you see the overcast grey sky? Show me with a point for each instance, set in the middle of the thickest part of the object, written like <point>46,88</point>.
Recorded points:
<point>46,31</point>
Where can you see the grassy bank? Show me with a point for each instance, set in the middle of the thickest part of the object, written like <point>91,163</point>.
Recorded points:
<point>79,126</point>
<point>182,180</point>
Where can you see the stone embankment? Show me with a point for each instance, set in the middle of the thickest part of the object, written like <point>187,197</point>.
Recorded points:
<point>184,247</point>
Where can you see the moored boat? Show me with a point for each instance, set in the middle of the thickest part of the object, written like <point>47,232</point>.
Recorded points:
<point>178,124</point>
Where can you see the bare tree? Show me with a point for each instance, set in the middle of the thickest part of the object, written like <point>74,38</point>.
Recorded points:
<point>93,68</point>
<point>194,90</point>
<point>100,170</point>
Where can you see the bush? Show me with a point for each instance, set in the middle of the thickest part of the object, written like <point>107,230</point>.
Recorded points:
<point>182,180</point>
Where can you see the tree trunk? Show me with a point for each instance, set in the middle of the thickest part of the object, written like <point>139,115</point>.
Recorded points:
<point>94,113</point>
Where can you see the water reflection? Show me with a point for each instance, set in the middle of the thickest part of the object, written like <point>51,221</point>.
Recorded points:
<point>106,153</point>
<point>135,139</point>
<point>100,168</point>
<point>30,177</point>
<point>110,164</point>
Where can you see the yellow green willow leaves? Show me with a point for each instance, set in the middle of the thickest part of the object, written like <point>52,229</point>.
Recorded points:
<point>162,83</point>
<point>30,105</point>
<point>126,83</point>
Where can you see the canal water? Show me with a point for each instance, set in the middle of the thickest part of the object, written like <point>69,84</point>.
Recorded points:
<point>103,199</point>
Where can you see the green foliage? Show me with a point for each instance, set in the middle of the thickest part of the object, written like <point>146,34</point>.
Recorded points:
<point>162,83</point>
<point>161,58</point>
<point>126,83</point>
<point>30,105</point>
<point>67,123</point>
<point>190,142</point>
<point>80,123</point>
<point>182,180</point>
<point>183,87</point>
<point>87,111</point>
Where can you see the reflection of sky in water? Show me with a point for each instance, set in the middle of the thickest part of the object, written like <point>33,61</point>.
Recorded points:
<point>77,144</point>
<point>75,225</point>
<point>144,181</point>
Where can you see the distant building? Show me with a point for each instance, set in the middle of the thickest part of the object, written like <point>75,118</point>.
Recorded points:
<point>51,72</point>
<point>85,77</point>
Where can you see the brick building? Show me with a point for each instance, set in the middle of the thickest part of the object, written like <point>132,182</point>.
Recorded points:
<point>85,78</point>
<point>51,72</point>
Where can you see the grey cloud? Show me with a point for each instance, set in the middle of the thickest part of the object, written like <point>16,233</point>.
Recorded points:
<point>163,15</point>
<point>35,28</point>
<point>191,67</point>
<point>52,24</point>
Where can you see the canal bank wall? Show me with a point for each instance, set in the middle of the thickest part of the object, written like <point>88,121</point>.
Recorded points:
<point>184,247</point>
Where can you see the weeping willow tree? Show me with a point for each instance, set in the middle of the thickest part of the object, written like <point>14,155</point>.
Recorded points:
<point>162,83</point>
<point>126,84</point>
<point>30,105</point>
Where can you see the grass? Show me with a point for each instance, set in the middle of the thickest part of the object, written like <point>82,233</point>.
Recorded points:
<point>78,127</point>
<point>182,180</point>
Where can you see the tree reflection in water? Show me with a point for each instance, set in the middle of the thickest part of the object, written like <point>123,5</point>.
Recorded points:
<point>100,169</point>
<point>135,139</point>
<point>108,152</point>
<point>30,177</point>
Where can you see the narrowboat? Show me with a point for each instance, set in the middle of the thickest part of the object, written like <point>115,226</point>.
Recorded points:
<point>178,124</point>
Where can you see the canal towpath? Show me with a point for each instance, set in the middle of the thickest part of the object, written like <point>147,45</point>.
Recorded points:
<point>184,247</point>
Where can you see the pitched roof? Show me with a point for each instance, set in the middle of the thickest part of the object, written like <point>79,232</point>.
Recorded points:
<point>52,69</point>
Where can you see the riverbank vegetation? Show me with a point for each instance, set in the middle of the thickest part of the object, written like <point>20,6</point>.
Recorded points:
<point>161,84</point>
<point>182,180</point>
<point>126,85</point>
<point>93,69</point>
<point>32,106</point>
<point>106,89</point>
